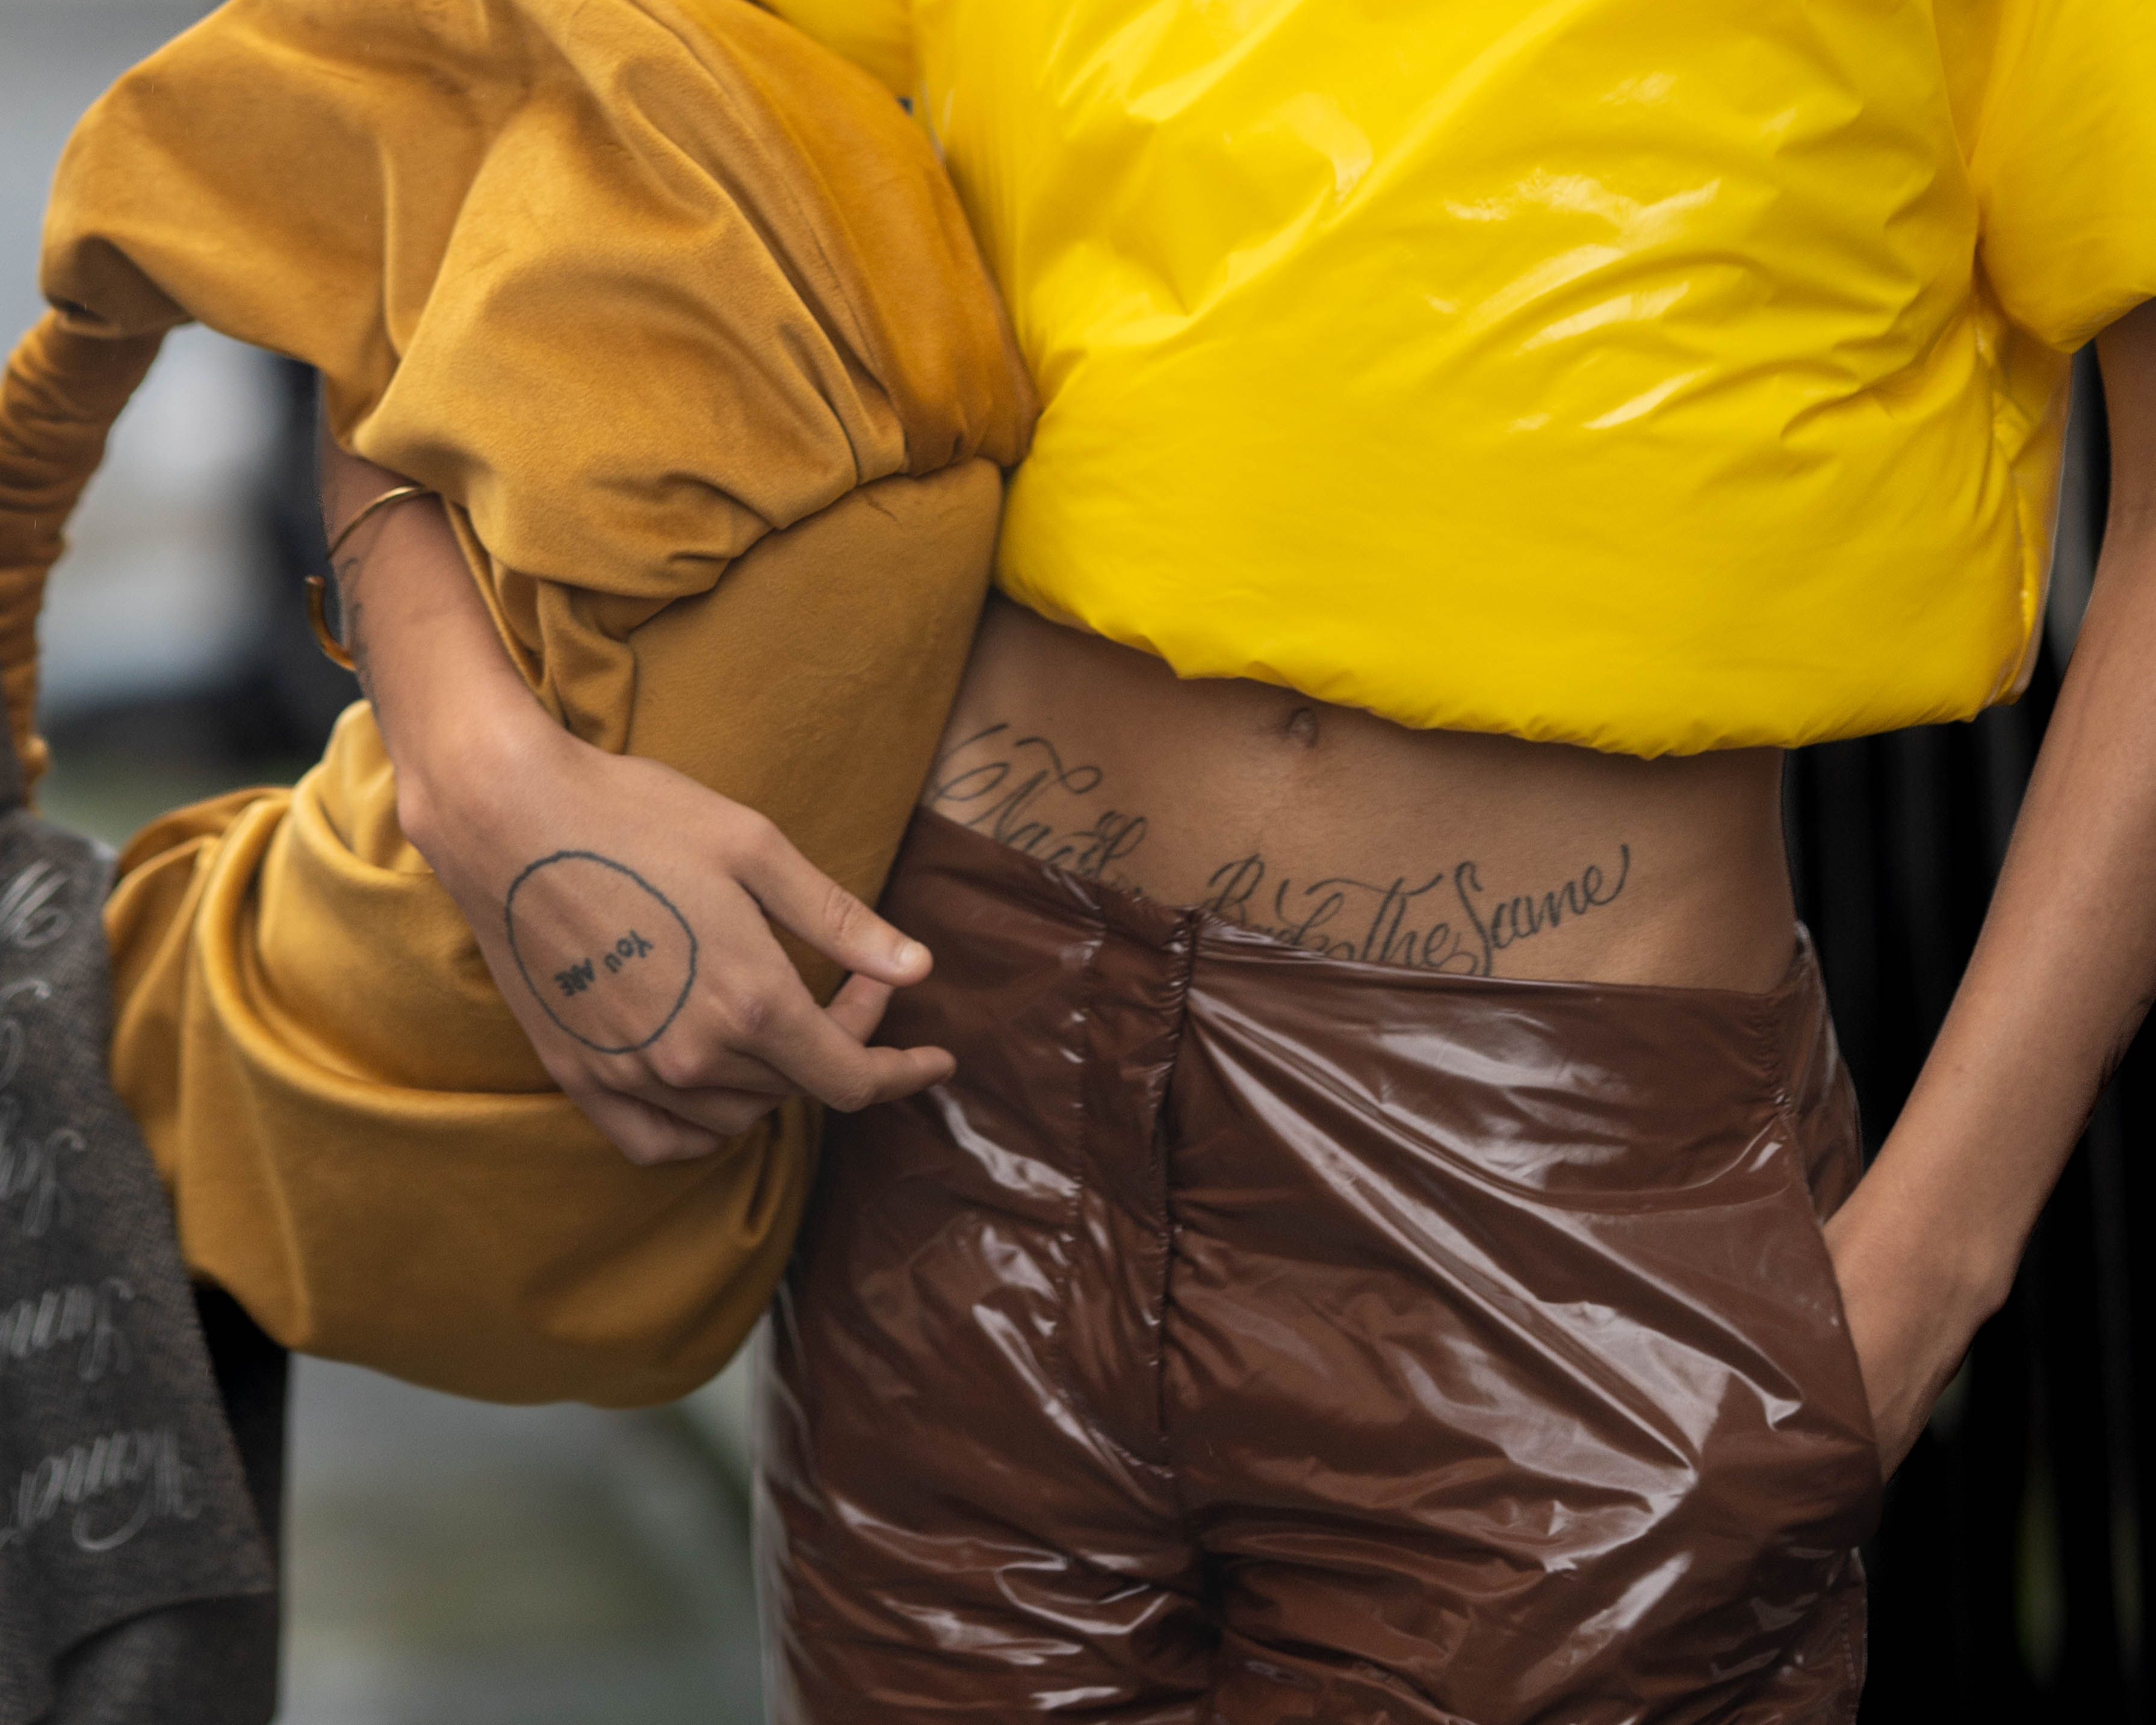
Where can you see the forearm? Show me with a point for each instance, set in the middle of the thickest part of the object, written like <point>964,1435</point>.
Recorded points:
<point>449,704</point>
<point>1927,1247</point>
<point>2063,972</point>
<point>2061,976</point>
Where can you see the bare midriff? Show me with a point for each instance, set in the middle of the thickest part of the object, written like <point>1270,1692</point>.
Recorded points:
<point>1349,835</point>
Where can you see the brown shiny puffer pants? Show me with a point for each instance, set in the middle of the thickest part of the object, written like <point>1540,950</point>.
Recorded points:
<point>1249,1336</point>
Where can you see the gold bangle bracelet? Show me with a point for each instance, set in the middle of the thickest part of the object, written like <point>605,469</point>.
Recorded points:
<point>396,494</point>
<point>318,589</point>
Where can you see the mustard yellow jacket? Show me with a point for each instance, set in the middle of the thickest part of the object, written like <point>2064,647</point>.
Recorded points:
<point>679,313</point>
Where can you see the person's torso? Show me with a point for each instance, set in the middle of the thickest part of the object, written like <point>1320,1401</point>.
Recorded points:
<point>1588,373</point>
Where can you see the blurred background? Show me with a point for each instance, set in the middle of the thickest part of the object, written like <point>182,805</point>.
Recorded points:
<point>452,1564</point>
<point>449,1563</point>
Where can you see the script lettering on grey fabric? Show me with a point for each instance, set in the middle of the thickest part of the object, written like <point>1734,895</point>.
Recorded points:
<point>79,1313</point>
<point>116,1484</point>
<point>33,1192</point>
<point>29,917</point>
<point>121,1498</point>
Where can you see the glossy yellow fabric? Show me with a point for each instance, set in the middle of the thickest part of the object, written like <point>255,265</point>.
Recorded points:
<point>676,310</point>
<point>1654,378</point>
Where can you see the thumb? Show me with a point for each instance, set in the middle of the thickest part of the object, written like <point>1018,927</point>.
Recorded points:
<point>857,1008</point>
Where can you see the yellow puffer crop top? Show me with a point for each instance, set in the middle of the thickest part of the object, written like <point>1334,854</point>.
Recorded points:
<point>1654,378</point>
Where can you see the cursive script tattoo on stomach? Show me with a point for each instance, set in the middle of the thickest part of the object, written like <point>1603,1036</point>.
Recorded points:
<point>1395,923</point>
<point>1019,789</point>
<point>999,789</point>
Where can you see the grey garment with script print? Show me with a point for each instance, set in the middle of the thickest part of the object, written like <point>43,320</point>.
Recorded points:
<point>135,1585</point>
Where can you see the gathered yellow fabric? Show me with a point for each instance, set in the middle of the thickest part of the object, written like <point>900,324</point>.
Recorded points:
<point>678,314</point>
<point>1656,379</point>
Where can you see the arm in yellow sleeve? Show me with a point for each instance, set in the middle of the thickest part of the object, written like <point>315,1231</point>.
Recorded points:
<point>489,785</point>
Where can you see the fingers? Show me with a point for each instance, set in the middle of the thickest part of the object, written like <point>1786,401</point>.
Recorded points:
<point>727,1112</point>
<point>800,896</point>
<point>758,1028</point>
<point>647,1135</point>
<point>814,1052</point>
<point>809,1046</point>
<point>747,1089</point>
<point>858,1007</point>
<point>759,1036</point>
<point>689,1123</point>
<point>773,1039</point>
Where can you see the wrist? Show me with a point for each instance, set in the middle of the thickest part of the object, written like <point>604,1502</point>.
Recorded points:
<point>1955,1255</point>
<point>469,776</point>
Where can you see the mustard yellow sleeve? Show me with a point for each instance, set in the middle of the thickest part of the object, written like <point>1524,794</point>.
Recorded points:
<point>876,35</point>
<point>2057,100</point>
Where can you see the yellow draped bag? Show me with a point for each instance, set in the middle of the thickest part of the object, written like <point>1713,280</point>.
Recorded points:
<point>677,311</point>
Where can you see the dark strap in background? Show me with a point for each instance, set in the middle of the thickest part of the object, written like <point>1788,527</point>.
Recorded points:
<point>137,1584</point>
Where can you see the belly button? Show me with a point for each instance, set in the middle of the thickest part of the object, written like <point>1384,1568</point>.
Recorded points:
<point>1302,726</point>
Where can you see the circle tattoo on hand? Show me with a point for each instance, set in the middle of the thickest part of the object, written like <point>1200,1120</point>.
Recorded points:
<point>618,992</point>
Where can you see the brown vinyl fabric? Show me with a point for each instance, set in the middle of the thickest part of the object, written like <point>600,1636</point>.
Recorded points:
<point>1246,1335</point>
<point>678,314</point>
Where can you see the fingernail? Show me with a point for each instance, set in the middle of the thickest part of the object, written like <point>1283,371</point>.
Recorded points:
<point>909,952</point>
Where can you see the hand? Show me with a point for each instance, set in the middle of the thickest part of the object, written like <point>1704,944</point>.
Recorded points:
<point>622,909</point>
<point>1912,1315</point>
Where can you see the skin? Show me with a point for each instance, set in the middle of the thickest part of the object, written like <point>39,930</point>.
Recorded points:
<point>1339,831</point>
<point>1462,853</point>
